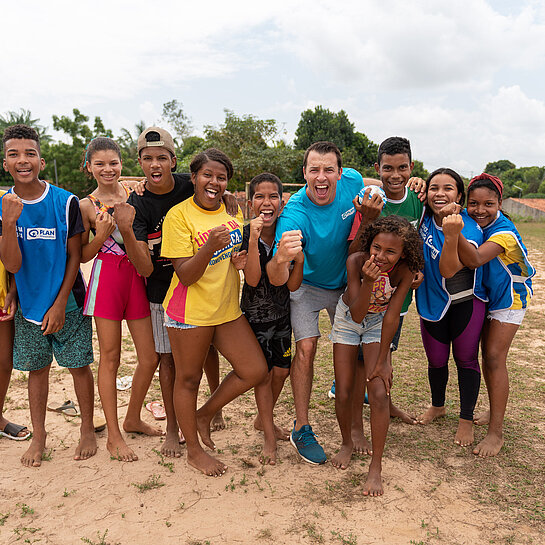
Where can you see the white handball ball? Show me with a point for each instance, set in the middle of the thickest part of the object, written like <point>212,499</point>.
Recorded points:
<point>375,189</point>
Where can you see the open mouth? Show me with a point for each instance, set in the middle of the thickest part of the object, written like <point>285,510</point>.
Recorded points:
<point>156,176</point>
<point>439,203</point>
<point>210,193</point>
<point>24,171</point>
<point>321,191</point>
<point>267,214</point>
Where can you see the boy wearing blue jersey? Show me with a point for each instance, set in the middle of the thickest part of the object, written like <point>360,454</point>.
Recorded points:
<point>40,243</point>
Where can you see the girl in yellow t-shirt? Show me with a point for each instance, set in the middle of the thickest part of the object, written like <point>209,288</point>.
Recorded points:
<point>8,306</point>
<point>202,303</point>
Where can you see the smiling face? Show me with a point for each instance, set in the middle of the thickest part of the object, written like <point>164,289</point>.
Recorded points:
<point>210,184</point>
<point>105,167</point>
<point>267,200</point>
<point>157,164</point>
<point>387,249</point>
<point>442,190</point>
<point>483,205</point>
<point>394,171</point>
<point>322,173</point>
<point>22,160</point>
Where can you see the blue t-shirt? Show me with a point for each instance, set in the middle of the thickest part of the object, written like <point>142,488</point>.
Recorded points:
<point>432,297</point>
<point>325,231</point>
<point>43,230</point>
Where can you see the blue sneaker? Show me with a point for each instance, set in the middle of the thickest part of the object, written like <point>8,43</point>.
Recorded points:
<point>331,393</point>
<point>304,441</point>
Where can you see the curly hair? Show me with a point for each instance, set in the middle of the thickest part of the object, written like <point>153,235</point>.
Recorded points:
<point>412,243</point>
<point>20,132</point>
<point>100,143</point>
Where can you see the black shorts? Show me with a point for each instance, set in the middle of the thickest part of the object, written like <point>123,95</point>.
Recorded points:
<point>275,341</point>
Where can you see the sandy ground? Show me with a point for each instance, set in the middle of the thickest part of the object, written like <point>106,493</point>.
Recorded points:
<point>96,501</point>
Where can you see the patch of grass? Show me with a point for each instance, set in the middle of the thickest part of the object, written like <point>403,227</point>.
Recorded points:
<point>265,533</point>
<point>351,539</point>
<point>3,518</point>
<point>101,539</point>
<point>153,481</point>
<point>161,462</point>
<point>67,493</point>
<point>25,509</point>
<point>47,456</point>
<point>313,534</point>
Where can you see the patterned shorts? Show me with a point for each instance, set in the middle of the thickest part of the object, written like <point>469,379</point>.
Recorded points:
<point>275,341</point>
<point>72,346</point>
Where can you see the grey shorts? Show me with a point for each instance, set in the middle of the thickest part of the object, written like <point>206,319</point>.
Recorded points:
<point>305,306</point>
<point>160,335</point>
<point>346,331</point>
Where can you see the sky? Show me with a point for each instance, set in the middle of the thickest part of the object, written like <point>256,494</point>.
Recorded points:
<point>463,80</point>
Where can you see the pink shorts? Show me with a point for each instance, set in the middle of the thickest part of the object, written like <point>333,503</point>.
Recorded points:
<point>116,291</point>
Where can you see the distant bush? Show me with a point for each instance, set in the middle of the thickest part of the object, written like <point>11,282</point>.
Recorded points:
<point>534,196</point>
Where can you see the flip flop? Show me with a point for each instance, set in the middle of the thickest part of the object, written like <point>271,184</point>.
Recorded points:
<point>67,408</point>
<point>156,409</point>
<point>99,423</point>
<point>123,383</point>
<point>12,431</point>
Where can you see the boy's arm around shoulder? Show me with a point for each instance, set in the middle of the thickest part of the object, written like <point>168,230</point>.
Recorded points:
<point>10,253</point>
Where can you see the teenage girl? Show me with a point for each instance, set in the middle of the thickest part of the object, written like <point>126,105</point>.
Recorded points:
<point>116,292</point>
<point>202,304</point>
<point>378,279</point>
<point>450,302</point>
<point>507,277</point>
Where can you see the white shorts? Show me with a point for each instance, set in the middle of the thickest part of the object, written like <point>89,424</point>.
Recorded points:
<point>508,316</point>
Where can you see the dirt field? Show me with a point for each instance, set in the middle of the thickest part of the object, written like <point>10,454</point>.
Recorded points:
<point>435,491</point>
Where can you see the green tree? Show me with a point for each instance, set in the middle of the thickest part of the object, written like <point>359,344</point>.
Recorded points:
<point>174,115</point>
<point>419,170</point>
<point>498,168</point>
<point>323,124</point>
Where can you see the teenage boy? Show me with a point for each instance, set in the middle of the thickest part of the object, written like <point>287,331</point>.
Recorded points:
<point>267,307</point>
<point>140,221</point>
<point>40,243</point>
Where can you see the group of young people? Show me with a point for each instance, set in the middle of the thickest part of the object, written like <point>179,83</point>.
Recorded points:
<point>167,259</point>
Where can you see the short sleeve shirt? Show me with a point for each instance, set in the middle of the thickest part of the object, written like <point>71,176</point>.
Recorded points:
<point>214,298</point>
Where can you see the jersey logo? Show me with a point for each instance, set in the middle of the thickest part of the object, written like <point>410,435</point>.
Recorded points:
<point>348,213</point>
<point>287,353</point>
<point>35,233</point>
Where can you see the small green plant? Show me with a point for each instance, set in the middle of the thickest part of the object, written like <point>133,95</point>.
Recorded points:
<point>265,533</point>
<point>67,493</point>
<point>313,533</point>
<point>25,509</point>
<point>351,539</point>
<point>47,456</point>
<point>101,539</point>
<point>3,518</point>
<point>161,462</point>
<point>153,481</point>
<point>168,524</point>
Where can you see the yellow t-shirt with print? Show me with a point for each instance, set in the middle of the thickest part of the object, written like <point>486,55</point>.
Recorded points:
<point>214,298</point>
<point>4,280</point>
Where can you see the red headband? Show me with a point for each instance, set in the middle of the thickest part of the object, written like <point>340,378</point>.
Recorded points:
<point>498,184</point>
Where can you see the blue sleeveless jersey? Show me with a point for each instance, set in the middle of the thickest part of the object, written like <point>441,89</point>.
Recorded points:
<point>42,232</point>
<point>508,284</point>
<point>432,297</point>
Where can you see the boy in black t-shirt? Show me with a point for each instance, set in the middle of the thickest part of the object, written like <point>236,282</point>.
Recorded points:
<point>265,306</point>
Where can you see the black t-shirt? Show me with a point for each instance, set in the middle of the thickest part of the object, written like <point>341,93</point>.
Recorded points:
<point>151,210</point>
<point>264,302</point>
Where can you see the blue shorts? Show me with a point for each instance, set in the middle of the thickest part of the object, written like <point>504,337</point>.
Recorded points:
<point>346,331</point>
<point>305,306</point>
<point>72,346</point>
<point>169,322</point>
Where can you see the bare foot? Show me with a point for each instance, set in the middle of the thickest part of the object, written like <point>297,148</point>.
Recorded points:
<point>87,446</point>
<point>119,450</point>
<point>171,447</point>
<point>373,483</point>
<point>482,419</point>
<point>207,464</point>
<point>139,426</point>
<point>268,456</point>
<point>396,412</point>
<point>464,434</point>
<point>361,444</point>
<point>489,446</point>
<point>342,459</point>
<point>431,413</point>
<point>218,423</point>
<point>203,427</point>
<point>281,434</point>
<point>33,456</point>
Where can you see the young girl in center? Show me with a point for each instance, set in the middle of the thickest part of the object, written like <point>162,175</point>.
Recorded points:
<point>115,293</point>
<point>507,275</point>
<point>450,302</point>
<point>378,279</point>
<point>202,304</point>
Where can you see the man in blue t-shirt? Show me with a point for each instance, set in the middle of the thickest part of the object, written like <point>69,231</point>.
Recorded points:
<point>318,219</point>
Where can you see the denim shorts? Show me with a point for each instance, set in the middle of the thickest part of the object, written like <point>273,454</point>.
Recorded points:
<point>305,306</point>
<point>507,316</point>
<point>346,331</point>
<point>169,322</point>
